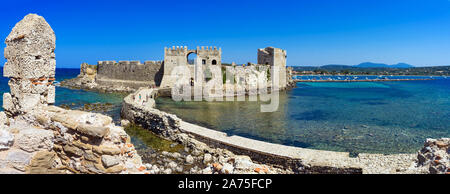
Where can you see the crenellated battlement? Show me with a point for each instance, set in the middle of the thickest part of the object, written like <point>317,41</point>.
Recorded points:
<point>149,71</point>
<point>178,56</point>
<point>175,50</point>
<point>209,51</point>
<point>200,50</point>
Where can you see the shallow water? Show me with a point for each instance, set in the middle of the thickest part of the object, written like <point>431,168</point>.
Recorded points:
<point>374,117</point>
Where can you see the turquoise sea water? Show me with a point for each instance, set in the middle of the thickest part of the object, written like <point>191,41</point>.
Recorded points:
<point>375,117</point>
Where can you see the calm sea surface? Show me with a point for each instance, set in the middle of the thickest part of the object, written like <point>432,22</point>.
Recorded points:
<point>375,117</point>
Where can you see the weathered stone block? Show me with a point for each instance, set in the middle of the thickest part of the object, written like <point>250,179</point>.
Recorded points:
<point>51,94</point>
<point>18,159</point>
<point>93,119</point>
<point>115,169</point>
<point>8,102</point>
<point>109,161</point>
<point>93,166</point>
<point>3,119</point>
<point>54,109</point>
<point>109,150</point>
<point>70,149</point>
<point>82,145</point>
<point>6,139</point>
<point>30,49</point>
<point>96,131</point>
<point>28,101</point>
<point>89,155</point>
<point>42,119</point>
<point>41,163</point>
<point>65,120</point>
<point>31,140</point>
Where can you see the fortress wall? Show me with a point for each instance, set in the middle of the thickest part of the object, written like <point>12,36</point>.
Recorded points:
<point>130,70</point>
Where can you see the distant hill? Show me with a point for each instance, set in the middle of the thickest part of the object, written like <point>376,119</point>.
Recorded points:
<point>401,65</point>
<point>382,65</point>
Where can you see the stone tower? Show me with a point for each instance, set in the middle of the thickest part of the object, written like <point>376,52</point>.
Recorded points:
<point>274,57</point>
<point>178,56</point>
<point>30,65</point>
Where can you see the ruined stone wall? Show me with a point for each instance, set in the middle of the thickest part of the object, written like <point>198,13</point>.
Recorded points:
<point>88,73</point>
<point>150,71</point>
<point>53,140</point>
<point>86,69</point>
<point>38,138</point>
<point>134,109</point>
<point>275,57</point>
<point>30,65</point>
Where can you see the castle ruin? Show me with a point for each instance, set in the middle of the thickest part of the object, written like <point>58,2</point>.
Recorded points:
<point>131,75</point>
<point>178,56</point>
<point>30,54</point>
<point>274,57</point>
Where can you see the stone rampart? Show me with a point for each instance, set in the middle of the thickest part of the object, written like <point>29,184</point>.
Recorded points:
<point>150,71</point>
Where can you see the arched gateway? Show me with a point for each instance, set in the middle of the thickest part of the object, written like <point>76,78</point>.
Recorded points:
<point>178,56</point>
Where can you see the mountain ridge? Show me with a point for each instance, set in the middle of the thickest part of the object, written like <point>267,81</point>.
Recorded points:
<point>383,65</point>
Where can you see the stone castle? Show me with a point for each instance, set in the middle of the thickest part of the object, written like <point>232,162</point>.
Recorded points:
<point>178,56</point>
<point>131,75</point>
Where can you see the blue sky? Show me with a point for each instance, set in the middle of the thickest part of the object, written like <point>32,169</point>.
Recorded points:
<point>314,32</point>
